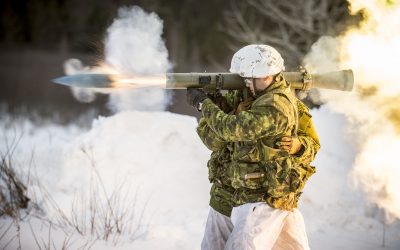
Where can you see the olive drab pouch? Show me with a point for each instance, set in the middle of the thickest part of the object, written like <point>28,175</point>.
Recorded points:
<point>287,202</point>
<point>222,199</point>
<point>246,170</point>
<point>282,174</point>
<point>246,152</point>
<point>218,166</point>
<point>305,171</point>
<point>213,166</point>
<point>247,175</point>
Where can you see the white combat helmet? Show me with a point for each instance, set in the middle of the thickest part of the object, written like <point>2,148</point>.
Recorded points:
<point>257,61</point>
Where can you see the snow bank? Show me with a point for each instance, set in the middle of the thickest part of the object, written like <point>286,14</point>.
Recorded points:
<point>157,162</point>
<point>156,158</point>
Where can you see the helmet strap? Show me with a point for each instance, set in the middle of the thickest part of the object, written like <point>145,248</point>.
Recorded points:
<point>254,86</point>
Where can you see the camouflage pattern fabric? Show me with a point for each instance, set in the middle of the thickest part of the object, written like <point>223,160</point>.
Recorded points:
<point>245,165</point>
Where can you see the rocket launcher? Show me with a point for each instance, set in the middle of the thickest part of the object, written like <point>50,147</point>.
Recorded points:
<point>337,80</point>
<point>214,82</point>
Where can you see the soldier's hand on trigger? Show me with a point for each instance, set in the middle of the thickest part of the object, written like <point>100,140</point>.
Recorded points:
<point>291,144</point>
<point>221,102</point>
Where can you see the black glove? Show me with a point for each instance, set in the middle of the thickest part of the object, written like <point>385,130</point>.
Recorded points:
<point>221,102</point>
<point>195,96</point>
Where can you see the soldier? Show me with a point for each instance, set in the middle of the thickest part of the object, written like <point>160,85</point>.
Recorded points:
<point>262,147</point>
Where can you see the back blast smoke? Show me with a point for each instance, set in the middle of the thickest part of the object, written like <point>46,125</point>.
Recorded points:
<point>372,50</point>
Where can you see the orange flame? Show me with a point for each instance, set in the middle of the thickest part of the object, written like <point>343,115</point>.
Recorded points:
<point>121,80</point>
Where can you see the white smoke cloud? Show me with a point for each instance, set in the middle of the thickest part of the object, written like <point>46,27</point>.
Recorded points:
<point>324,55</point>
<point>143,99</point>
<point>134,44</point>
<point>133,47</point>
<point>372,52</point>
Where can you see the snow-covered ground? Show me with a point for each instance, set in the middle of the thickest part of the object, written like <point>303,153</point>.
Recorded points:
<point>151,166</point>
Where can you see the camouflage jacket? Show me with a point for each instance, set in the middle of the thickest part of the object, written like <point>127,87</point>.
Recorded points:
<point>245,166</point>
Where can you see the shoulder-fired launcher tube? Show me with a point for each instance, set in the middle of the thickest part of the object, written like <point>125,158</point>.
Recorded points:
<point>337,80</point>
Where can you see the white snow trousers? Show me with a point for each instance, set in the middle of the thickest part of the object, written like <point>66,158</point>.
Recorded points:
<point>255,226</point>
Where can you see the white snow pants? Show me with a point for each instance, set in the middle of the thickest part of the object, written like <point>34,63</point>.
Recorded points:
<point>255,226</point>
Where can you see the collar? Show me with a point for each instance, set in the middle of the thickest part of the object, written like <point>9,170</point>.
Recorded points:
<point>279,82</point>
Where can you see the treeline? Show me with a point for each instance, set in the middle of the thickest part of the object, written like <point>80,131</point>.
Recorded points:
<point>191,28</point>
<point>197,33</point>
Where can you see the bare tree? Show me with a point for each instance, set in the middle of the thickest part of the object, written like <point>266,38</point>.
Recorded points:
<point>290,26</point>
